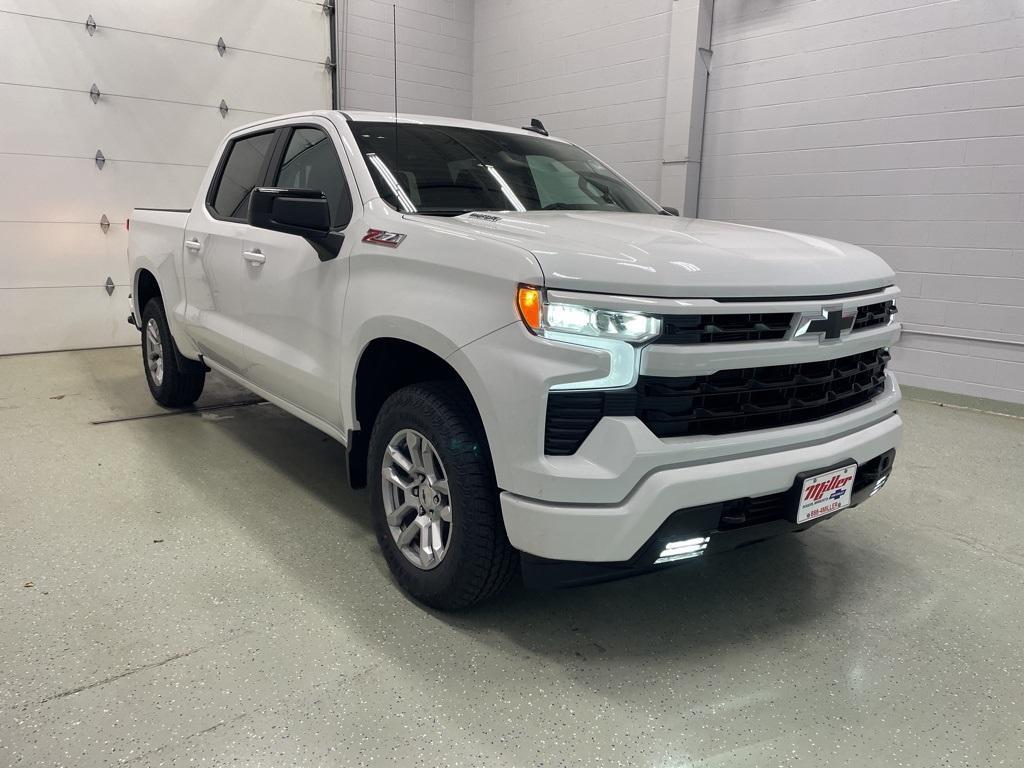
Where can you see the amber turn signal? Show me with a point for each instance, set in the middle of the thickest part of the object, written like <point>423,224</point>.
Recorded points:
<point>528,299</point>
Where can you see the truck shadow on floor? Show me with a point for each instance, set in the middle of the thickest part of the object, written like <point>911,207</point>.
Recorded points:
<point>750,599</point>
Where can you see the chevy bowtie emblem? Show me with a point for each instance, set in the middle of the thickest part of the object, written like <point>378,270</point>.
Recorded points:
<point>829,324</point>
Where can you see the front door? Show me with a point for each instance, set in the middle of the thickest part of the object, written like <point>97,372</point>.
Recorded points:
<point>214,266</point>
<point>295,301</point>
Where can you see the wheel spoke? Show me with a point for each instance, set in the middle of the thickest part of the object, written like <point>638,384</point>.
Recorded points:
<point>400,460</point>
<point>392,477</point>
<point>412,442</point>
<point>413,530</point>
<point>424,546</point>
<point>436,540</point>
<point>427,460</point>
<point>441,486</point>
<point>446,513</point>
<point>395,518</point>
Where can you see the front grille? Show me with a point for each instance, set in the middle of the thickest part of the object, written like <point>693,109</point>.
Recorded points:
<point>761,326</point>
<point>725,402</point>
<point>717,329</point>
<point>870,315</point>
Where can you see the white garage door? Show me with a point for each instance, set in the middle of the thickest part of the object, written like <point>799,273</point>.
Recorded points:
<point>161,79</point>
<point>897,125</point>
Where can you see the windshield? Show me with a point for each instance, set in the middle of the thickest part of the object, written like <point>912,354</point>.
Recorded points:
<point>448,171</point>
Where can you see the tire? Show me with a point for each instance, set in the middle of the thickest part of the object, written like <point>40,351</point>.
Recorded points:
<point>171,386</point>
<point>478,561</point>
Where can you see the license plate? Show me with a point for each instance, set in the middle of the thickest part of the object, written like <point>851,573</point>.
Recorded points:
<point>825,493</point>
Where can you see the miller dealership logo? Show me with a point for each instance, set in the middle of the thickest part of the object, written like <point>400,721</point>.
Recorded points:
<point>834,486</point>
<point>828,324</point>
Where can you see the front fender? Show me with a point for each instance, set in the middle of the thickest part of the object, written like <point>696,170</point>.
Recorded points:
<point>439,290</point>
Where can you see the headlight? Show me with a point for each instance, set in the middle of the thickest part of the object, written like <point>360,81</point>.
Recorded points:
<point>542,318</point>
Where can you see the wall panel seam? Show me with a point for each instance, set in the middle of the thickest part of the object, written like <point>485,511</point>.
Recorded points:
<point>805,27</point>
<point>204,43</point>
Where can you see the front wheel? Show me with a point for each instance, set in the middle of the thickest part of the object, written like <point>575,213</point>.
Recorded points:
<point>170,385</point>
<point>434,498</point>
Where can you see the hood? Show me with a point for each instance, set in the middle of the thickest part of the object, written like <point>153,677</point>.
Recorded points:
<point>667,256</point>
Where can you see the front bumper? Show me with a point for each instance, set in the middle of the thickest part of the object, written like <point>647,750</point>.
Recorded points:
<point>724,526</point>
<point>616,533</point>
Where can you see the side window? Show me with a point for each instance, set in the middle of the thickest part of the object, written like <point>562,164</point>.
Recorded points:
<point>310,162</point>
<point>241,174</point>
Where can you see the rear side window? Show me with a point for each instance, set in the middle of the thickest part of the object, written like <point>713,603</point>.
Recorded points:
<point>241,173</point>
<point>310,162</point>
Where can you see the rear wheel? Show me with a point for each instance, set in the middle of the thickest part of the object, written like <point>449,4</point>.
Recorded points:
<point>170,385</point>
<point>434,499</point>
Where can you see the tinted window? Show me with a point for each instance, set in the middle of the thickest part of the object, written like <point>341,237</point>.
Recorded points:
<point>445,170</point>
<point>310,162</point>
<point>241,174</point>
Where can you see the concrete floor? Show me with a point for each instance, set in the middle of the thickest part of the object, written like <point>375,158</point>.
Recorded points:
<point>203,589</point>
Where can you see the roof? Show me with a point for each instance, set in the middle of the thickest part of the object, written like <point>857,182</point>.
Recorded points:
<point>364,116</point>
<point>388,117</point>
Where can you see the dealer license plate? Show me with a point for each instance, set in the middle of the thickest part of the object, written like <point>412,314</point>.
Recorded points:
<point>825,493</point>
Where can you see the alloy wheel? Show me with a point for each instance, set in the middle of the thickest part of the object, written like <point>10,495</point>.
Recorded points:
<point>154,352</point>
<point>417,501</point>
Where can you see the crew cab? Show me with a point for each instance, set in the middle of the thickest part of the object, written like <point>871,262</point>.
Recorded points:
<point>536,368</point>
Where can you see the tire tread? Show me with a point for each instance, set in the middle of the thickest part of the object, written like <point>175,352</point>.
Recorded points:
<point>181,386</point>
<point>488,561</point>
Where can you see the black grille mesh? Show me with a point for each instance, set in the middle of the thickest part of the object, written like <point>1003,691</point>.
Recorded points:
<point>725,402</point>
<point>717,329</point>
<point>764,326</point>
<point>870,315</point>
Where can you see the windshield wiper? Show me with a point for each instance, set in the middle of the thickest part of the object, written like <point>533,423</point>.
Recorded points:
<point>566,206</point>
<point>438,211</point>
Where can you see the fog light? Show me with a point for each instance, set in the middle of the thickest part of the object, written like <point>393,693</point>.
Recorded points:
<point>879,484</point>
<point>683,550</point>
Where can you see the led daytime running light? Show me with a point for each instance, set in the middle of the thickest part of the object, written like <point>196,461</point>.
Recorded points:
<point>547,318</point>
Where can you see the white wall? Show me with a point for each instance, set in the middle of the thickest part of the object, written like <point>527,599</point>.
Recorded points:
<point>435,56</point>
<point>157,123</point>
<point>897,125</point>
<point>593,72</point>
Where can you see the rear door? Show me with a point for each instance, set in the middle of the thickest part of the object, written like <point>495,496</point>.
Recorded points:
<point>295,301</point>
<point>215,269</point>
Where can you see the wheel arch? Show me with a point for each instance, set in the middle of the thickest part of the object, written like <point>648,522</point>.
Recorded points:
<point>145,287</point>
<point>385,365</point>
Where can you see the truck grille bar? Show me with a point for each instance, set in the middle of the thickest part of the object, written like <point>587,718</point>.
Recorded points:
<point>725,402</point>
<point>761,326</point>
<point>717,329</point>
<point>871,315</point>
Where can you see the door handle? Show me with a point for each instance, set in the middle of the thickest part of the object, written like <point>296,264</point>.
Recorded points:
<point>194,245</point>
<point>254,257</point>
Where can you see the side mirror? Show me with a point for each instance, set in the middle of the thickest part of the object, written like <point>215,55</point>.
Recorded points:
<point>302,212</point>
<point>670,210</point>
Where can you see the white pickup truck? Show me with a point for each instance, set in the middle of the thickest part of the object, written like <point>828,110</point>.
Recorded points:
<point>534,366</point>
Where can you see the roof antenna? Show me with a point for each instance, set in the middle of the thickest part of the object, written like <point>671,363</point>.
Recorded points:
<point>537,127</point>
